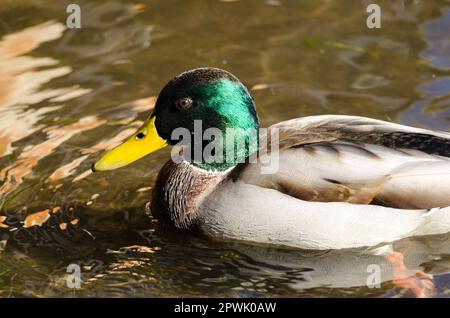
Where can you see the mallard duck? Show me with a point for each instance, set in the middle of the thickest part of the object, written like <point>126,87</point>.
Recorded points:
<point>340,181</point>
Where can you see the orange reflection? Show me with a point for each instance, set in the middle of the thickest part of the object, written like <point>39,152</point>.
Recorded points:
<point>36,219</point>
<point>21,79</point>
<point>21,85</point>
<point>3,219</point>
<point>32,154</point>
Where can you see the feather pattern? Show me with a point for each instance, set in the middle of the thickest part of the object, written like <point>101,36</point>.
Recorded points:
<point>359,160</point>
<point>270,217</point>
<point>342,182</point>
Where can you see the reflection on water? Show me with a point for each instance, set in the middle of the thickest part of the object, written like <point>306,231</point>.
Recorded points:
<point>66,95</point>
<point>433,109</point>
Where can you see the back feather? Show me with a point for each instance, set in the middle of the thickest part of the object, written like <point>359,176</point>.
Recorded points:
<point>359,160</point>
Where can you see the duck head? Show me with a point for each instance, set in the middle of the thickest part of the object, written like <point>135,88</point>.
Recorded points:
<point>195,102</point>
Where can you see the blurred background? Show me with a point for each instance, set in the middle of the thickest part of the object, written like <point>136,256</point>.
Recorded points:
<point>66,95</point>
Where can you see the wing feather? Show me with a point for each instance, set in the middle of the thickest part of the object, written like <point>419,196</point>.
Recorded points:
<point>359,160</point>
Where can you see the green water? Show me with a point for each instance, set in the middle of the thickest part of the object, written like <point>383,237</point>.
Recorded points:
<point>65,93</point>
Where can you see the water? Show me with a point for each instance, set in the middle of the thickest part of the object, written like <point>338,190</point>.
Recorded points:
<point>66,95</point>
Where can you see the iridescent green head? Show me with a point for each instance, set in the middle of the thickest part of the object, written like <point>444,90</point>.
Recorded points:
<point>210,97</point>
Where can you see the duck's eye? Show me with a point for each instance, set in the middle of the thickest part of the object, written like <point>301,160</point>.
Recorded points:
<point>183,103</point>
<point>140,135</point>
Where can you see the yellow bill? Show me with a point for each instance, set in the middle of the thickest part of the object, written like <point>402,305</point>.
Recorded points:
<point>145,141</point>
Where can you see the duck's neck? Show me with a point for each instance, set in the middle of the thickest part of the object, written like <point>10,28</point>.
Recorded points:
<point>228,150</point>
<point>179,191</point>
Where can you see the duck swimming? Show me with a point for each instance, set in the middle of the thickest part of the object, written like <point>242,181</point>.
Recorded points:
<point>340,181</point>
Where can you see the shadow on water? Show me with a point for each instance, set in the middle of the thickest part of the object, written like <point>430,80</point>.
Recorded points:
<point>67,95</point>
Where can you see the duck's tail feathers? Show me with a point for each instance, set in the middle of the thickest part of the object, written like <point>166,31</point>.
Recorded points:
<point>435,221</point>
